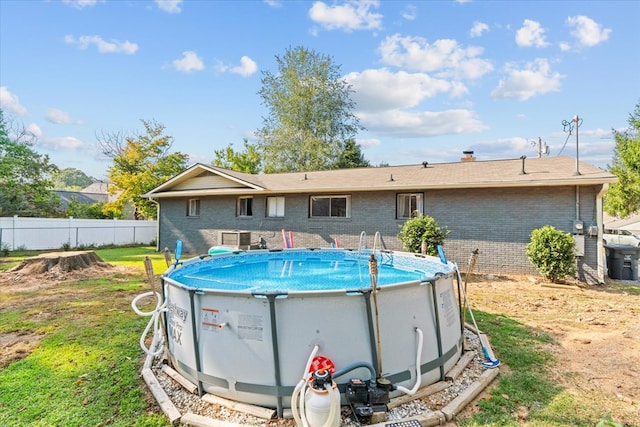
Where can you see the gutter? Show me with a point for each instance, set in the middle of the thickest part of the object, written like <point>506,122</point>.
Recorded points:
<point>393,187</point>
<point>600,247</point>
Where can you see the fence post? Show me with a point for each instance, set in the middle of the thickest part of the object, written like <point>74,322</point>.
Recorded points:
<point>69,233</point>
<point>13,242</point>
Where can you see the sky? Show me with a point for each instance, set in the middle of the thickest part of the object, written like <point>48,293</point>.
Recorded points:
<point>430,79</point>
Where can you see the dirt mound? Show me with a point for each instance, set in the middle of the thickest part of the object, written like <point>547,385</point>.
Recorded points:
<point>49,269</point>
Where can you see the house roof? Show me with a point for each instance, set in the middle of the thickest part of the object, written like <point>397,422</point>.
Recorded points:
<point>203,180</point>
<point>66,197</point>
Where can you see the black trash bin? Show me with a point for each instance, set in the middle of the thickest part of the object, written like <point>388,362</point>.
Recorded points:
<point>622,261</point>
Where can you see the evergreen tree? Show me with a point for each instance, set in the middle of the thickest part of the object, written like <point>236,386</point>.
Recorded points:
<point>351,157</point>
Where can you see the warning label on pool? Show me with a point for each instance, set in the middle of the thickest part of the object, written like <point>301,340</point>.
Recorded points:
<point>211,319</point>
<point>250,327</point>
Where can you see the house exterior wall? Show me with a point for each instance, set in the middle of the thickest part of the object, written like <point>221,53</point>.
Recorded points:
<point>498,222</point>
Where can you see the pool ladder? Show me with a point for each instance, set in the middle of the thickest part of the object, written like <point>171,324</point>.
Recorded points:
<point>378,245</point>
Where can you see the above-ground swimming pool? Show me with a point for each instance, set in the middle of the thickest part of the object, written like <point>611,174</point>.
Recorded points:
<point>241,325</point>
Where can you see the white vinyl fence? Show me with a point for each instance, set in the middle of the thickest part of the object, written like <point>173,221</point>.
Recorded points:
<point>55,233</point>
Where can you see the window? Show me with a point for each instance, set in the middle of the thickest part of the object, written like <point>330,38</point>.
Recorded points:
<point>409,205</point>
<point>330,207</point>
<point>245,206</point>
<point>275,207</point>
<point>193,207</point>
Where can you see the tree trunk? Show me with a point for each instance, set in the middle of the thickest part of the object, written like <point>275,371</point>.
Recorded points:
<point>59,262</point>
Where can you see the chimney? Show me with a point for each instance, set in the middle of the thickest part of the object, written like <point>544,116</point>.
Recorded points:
<point>468,156</point>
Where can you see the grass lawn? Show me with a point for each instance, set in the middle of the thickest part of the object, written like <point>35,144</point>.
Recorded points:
<point>84,370</point>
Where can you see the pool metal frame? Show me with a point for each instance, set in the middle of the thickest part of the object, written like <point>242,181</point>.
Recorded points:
<point>279,390</point>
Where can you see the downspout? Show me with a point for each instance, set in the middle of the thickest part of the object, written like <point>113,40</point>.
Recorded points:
<point>157,223</point>
<point>577,203</point>
<point>599,246</point>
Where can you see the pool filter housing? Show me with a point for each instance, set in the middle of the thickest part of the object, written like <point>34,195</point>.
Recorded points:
<point>368,397</point>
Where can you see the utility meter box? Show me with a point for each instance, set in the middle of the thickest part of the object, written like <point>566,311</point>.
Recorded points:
<point>579,248</point>
<point>578,227</point>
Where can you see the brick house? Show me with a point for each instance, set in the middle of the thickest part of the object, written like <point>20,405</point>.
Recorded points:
<point>489,205</point>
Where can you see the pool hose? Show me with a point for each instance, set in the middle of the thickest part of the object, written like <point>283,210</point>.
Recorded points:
<point>154,322</point>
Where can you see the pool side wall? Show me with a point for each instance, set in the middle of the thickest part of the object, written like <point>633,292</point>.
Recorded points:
<point>234,334</point>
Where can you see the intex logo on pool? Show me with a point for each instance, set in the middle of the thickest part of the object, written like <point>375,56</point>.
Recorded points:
<point>178,312</point>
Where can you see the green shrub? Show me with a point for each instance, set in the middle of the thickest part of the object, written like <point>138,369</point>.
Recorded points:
<point>422,228</point>
<point>552,252</point>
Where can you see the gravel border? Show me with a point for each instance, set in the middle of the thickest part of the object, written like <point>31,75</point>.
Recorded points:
<point>426,408</point>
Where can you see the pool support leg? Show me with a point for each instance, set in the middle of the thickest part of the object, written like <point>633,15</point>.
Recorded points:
<point>366,293</point>
<point>437,323</point>
<point>164,314</point>
<point>196,344</point>
<point>276,353</point>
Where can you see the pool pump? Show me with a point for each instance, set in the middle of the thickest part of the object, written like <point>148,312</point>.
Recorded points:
<point>368,397</point>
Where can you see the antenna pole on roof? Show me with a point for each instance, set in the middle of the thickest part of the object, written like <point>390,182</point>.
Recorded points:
<point>576,121</point>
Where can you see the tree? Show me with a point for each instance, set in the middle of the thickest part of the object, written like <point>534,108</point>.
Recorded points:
<point>140,163</point>
<point>552,253</point>
<point>310,113</point>
<point>71,179</point>
<point>247,161</point>
<point>422,229</point>
<point>86,210</point>
<point>25,175</point>
<point>623,198</point>
<point>351,157</point>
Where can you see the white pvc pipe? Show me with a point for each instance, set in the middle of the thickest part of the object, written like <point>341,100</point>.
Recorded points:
<point>334,406</point>
<point>154,322</point>
<point>298,393</point>
<point>416,386</point>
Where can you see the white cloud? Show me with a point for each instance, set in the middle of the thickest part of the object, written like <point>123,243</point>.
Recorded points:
<point>478,29</point>
<point>444,56</point>
<point>114,46</point>
<point>534,79</point>
<point>273,3</point>
<point>511,147</point>
<point>170,6</point>
<point>564,46</point>
<point>80,4</point>
<point>63,143</point>
<point>366,143</point>
<point>57,116</point>
<point>352,15</point>
<point>189,62</point>
<point>246,68</point>
<point>416,124</point>
<point>531,34</point>
<point>587,31</point>
<point>34,130</point>
<point>409,12</point>
<point>378,90</point>
<point>10,102</point>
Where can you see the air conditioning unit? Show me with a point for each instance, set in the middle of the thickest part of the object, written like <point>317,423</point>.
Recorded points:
<point>235,239</point>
